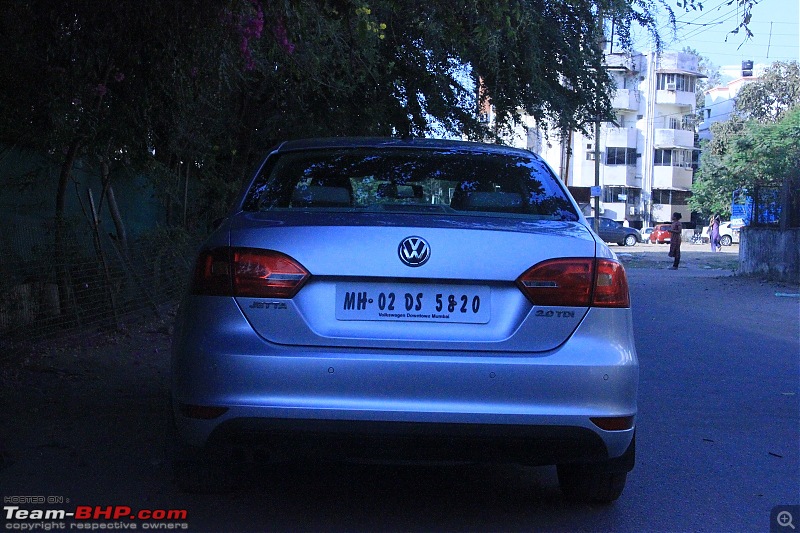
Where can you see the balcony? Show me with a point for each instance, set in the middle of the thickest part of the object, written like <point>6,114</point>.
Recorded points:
<point>672,138</point>
<point>677,98</point>
<point>621,175</point>
<point>666,177</point>
<point>626,99</point>
<point>662,213</point>
<point>621,62</point>
<point>621,137</point>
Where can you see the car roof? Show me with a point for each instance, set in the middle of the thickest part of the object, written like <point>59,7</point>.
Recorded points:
<point>406,142</point>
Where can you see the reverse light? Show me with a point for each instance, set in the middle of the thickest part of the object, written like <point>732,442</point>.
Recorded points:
<point>248,272</point>
<point>576,282</point>
<point>613,423</point>
<point>610,285</point>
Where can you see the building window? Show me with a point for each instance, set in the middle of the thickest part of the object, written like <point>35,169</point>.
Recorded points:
<point>622,195</point>
<point>669,197</point>
<point>620,156</point>
<point>686,122</point>
<point>671,157</point>
<point>675,82</point>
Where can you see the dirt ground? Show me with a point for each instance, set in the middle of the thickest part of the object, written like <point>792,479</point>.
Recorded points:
<point>80,414</point>
<point>696,259</point>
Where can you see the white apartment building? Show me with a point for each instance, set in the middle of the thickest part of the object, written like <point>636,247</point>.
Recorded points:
<point>646,155</point>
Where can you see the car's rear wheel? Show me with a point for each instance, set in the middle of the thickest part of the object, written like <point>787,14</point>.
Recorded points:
<point>201,474</point>
<point>601,482</point>
<point>592,487</point>
<point>630,240</point>
<point>726,240</point>
<point>196,470</point>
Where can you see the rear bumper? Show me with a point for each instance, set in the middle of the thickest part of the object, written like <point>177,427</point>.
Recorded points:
<point>260,439</point>
<point>527,408</point>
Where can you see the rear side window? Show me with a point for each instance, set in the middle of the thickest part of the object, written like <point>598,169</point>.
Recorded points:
<point>422,181</point>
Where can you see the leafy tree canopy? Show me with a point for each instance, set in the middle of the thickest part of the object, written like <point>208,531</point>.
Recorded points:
<point>745,154</point>
<point>775,93</point>
<point>199,89</point>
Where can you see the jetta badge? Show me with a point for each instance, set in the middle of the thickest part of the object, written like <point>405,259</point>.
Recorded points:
<point>414,251</point>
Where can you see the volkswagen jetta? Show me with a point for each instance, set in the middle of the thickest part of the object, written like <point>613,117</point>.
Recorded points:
<point>388,299</point>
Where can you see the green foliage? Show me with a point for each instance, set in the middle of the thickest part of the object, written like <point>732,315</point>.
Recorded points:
<point>775,93</point>
<point>767,153</point>
<point>195,91</point>
<point>745,154</point>
<point>712,187</point>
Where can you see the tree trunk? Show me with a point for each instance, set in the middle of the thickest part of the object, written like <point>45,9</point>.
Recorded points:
<point>119,225</point>
<point>113,208</point>
<point>62,272</point>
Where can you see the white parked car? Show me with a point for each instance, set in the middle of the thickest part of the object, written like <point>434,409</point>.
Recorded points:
<point>727,235</point>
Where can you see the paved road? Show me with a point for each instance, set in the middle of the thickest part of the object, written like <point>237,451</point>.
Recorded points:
<point>717,440</point>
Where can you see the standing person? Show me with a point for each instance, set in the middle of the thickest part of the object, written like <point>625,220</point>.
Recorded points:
<point>713,233</point>
<point>675,240</point>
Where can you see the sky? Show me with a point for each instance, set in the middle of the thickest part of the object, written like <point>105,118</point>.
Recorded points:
<point>775,25</point>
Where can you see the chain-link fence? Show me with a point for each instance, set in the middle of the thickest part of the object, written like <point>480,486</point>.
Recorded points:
<point>97,282</point>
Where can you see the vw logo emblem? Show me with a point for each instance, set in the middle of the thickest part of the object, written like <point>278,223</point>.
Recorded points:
<point>414,251</point>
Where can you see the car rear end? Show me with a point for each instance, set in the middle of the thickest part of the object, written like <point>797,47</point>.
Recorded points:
<point>408,300</point>
<point>661,234</point>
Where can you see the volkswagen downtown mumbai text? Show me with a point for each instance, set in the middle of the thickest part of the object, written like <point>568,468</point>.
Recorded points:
<point>27,513</point>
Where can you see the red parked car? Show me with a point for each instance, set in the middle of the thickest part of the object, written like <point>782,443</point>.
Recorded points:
<point>660,234</point>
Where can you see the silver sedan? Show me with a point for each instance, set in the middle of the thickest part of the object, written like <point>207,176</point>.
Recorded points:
<point>406,300</point>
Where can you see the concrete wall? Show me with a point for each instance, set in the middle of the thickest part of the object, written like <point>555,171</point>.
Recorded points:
<point>771,252</point>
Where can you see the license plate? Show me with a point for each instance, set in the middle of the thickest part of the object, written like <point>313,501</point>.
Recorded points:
<point>413,303</point>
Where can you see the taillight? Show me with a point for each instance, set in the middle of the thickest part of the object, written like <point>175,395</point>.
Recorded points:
<point>610,285</point>
<point>576,282</point>
<point>249,272</point>
<point>212,273</point>
<point>566,282</point>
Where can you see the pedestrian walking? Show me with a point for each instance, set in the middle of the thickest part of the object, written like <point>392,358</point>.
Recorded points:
<point>675,240</point>
<point>713,233</point>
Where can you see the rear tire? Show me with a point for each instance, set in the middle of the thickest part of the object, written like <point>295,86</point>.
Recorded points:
<point>201,475</point>
<point>196,470</point>
<point>601,482</point>
<point>630,240</point>
<point>726,240</point>
<point>590,487</point>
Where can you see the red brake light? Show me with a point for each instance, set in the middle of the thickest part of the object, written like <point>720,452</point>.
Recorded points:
<point>576,282</point>
<point>610,285</point>
<point>249,272</point>
<point>565,282</point>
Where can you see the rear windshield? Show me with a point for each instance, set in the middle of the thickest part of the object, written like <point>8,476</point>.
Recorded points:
<point>404,180</point>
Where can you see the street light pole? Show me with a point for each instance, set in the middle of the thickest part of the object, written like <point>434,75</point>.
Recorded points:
<point>597,172</point>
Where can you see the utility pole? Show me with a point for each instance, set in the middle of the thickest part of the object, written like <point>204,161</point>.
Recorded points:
<point>597,171</point>
<point>599,42</point>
